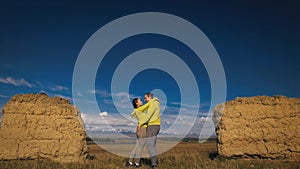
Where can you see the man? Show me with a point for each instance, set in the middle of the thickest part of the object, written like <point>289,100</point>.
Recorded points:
<point>152,119</point>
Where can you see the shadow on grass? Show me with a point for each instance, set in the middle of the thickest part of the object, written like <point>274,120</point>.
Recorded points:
<point>145,161</point>
<point>213,155</point>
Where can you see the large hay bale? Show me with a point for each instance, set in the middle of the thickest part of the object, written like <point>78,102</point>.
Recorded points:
<point>37,126</point>
<point>260,126</point>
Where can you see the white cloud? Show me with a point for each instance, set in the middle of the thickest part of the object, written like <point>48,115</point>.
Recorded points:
<point>185,105</point>
<point>122,94</point>
<point>91,119</point>
<point>101,93</point>
<point>79,94</point>
<point>105,121</point>
<point>122,101</point>
<point>62,96</point>
<point>203,119</point>
<point>3,96</point>
<point>106,101</point>
<point>103,114</point>
<point>16,82</point>
<point>113,122</point>
<point>59,88</point>
<point>181,110</point>
<point>176,103</point>
<point>132,124</point>
<point>43,91</point>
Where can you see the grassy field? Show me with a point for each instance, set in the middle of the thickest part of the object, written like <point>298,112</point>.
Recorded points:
<point>183,156</point>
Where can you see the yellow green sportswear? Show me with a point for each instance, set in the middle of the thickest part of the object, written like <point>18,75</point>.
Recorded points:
<point>148,114</point>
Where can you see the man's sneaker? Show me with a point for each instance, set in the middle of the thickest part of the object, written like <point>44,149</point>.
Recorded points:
<point>137,165</point>
<point>128,163</point>
<point>153,166</point>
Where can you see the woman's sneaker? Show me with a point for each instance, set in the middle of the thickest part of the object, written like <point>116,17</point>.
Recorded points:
<point>128,163</point>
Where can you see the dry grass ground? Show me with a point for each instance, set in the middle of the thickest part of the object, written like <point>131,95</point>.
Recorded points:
<point>183,156</point>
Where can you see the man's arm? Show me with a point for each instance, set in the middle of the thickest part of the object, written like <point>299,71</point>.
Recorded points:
<point>152,108</point>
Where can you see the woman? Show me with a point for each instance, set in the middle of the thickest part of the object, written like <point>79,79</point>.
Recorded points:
<point>139,112</point>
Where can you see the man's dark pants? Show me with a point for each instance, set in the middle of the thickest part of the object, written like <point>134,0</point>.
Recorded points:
<point>152,132</point>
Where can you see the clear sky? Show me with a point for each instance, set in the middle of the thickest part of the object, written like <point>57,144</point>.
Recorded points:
<point>257,42</point>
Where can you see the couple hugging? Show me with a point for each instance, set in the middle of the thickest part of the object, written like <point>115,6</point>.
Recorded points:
<point>148,117</point>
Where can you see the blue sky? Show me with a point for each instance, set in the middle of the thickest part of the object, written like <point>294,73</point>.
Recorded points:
<point>257,42</point>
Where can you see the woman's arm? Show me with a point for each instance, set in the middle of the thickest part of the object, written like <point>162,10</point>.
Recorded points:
<point>146,106</point>
<point>143,108</point>
<point>133,114</point>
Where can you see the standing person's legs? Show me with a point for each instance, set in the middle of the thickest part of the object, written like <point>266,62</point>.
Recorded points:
<point>142,142</point>
<point>133,153</point>
<point>152,132</point>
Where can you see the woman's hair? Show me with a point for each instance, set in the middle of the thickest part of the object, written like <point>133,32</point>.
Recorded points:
<point>134,102</point>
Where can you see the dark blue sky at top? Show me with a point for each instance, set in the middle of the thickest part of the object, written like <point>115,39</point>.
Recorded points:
<point>258,44</point>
